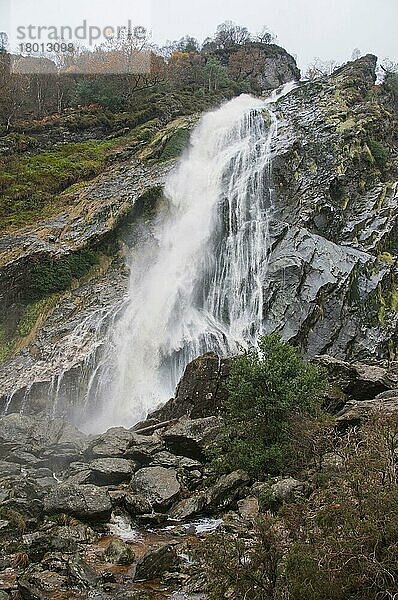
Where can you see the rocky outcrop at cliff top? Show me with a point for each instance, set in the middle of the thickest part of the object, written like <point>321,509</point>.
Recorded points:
<point>266,66</point>
<point>330,285</point>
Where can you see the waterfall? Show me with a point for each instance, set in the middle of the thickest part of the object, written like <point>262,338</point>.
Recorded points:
<point>199,286</point>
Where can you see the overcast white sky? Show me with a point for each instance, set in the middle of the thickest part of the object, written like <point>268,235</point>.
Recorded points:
<point>330,29</point>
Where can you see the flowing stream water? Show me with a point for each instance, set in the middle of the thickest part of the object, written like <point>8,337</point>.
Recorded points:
<point>198,286</point>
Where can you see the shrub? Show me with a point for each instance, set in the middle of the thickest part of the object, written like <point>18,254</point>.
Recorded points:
<point>267,391</point>
<point>339,544</point>
<point>49,277</point>
<point>238,568</point>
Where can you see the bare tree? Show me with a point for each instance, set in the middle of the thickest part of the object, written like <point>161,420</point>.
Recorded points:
<point>320,68</point>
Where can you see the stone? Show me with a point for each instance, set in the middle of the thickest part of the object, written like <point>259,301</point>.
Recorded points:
<point>137,505</point>
<point>113,443</point>
<point>81,573</point>
<point>357,381</point>
<point>142,447</point>
<point>111,471</point>
<point>86,502</point>
<point>248,508</point>
<point>355,413</point>
<point>227,490</point>
<point>157,485</point>
<point>39,434</point>
<point>188,507</point>
<point>37,583</point>
<point>287,489</point>
<point>190,437</point>
<point>9,468</point>
<point>201,390</point>
<point>156,562</point>
<point>119,553</point>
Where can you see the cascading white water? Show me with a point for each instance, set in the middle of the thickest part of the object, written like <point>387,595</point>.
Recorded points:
<point>200,286</point>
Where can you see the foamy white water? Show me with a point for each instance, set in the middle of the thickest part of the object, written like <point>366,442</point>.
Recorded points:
<point>199,288</point>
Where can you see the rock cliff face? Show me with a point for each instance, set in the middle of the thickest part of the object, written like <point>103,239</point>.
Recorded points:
<point>331,281</point>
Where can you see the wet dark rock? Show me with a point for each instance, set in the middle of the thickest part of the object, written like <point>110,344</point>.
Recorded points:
<point>81,574</point>
<point>227,490</point>
<point>159,486</point>
<point>153,519</point>
<point>200,392</point>
<point>188,507</point>
<point>191,437</point>
<point>111,471</point>
<point>39,584</point>
<point>156,562</point>
<point>50,541</point>
<point>137,505</point>
<point>86,502</point>
<point>119,553</point>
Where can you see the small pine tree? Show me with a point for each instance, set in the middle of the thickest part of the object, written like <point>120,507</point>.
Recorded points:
<point>267,391</point>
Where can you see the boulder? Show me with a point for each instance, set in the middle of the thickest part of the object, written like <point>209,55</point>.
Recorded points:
<point>200,392</point>
<point>157,485</point>
<point>40,434</point>
<point>357,381</point>
<point>113,443</point>
<point>227,490</point>
<point>287,489</point>
<point>119,553</point>
<point>9,468</point>
<point>142,447</point>
<point>191,437</point>
<point>156,562</point>
<point>81,574</point>
<point>37,583</point>
<point>111,471</point>
<point>188,507</point>
<point>86,502</point>
<point>248,508</point>
<point>137,505</point>
<point>355,413</point>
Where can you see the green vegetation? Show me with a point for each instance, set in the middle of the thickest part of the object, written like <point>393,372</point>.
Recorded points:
<point>339,543</point>
<point>6,345</point>
<point>48,277</point>
<point>30,183</point>
<point>268,392</point>
<point>32,313</point>
<point>175,144</point>
<point>42,290</point>
<point>379,152</point>
<point>27,317</point>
